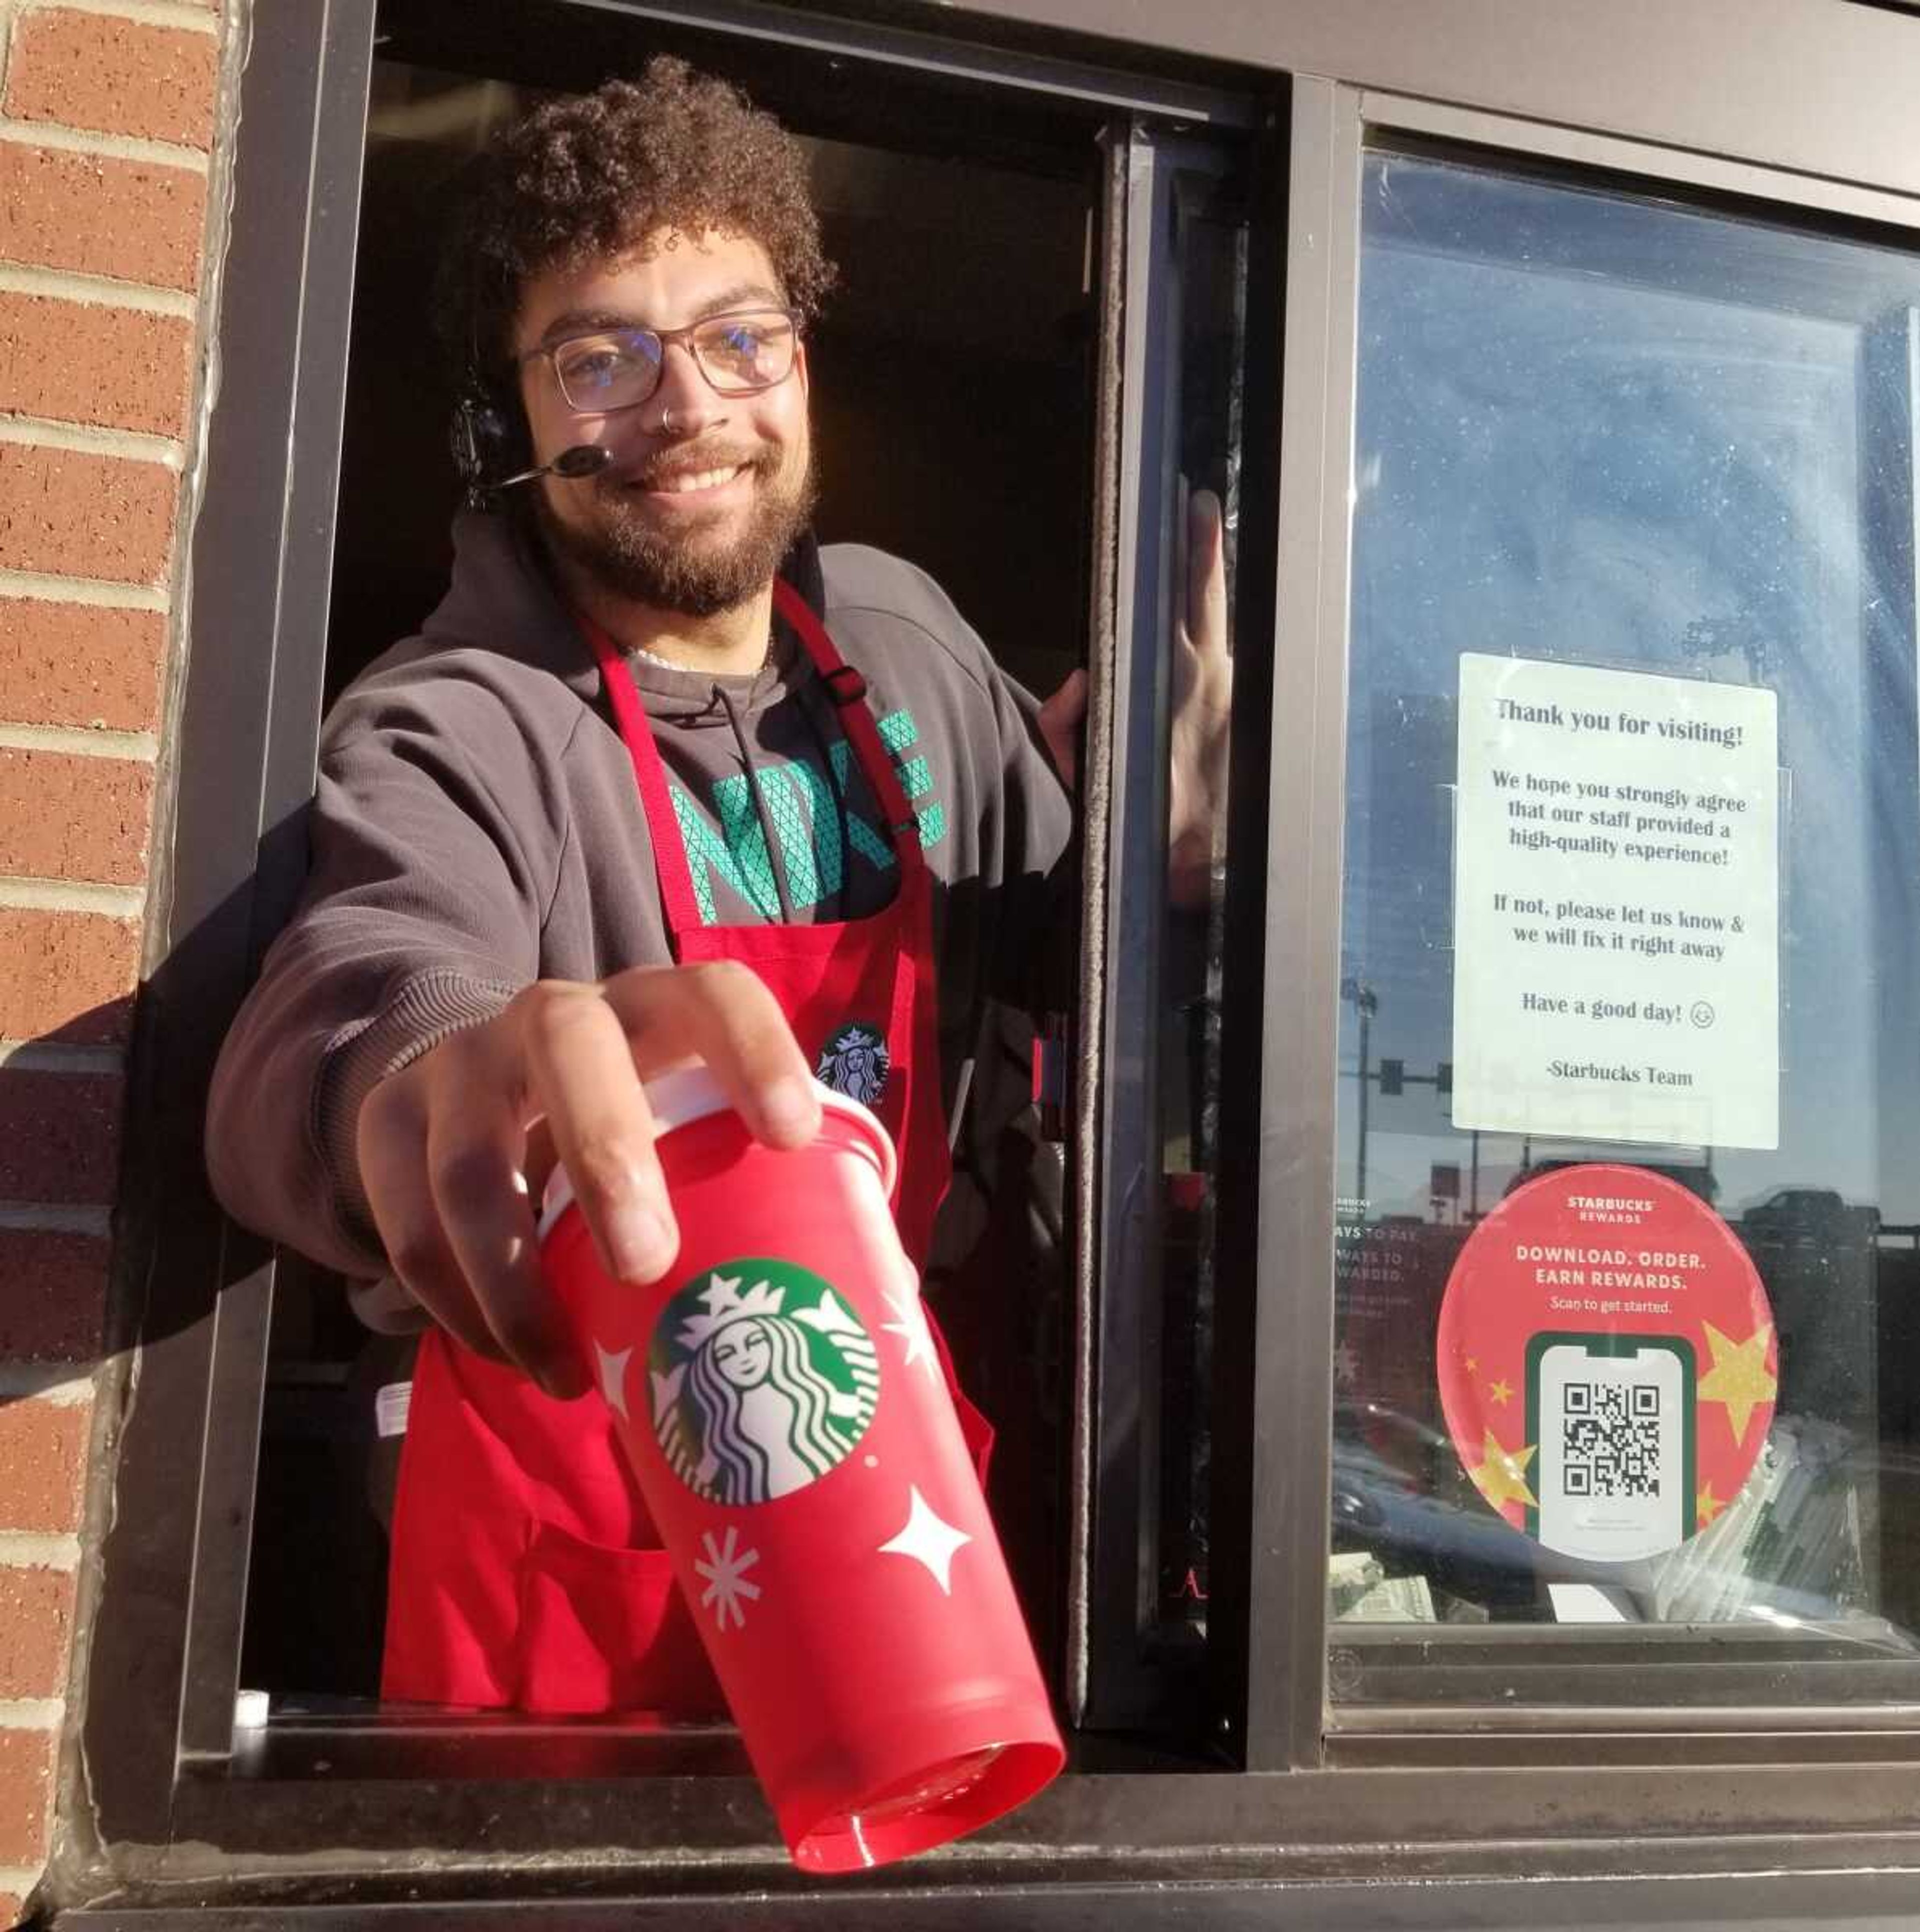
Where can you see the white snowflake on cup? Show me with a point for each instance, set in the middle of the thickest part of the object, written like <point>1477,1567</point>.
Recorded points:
<point>725,1571</point>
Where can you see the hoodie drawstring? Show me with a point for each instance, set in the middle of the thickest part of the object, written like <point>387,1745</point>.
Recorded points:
<point>835,782</point>
<point>776,858</point>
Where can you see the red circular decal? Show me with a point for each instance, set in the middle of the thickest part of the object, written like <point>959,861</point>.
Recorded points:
<point>1607,1361</point>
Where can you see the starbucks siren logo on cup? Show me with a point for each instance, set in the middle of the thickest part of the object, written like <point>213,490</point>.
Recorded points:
<point>762,1381</point>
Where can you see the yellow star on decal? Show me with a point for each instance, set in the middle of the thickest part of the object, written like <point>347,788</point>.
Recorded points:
<point>1473,1365</point>
<point>1502,1476</point>
<point>1501,1391</point>
<point>1708,1504</point>
<point>1738,1377</point>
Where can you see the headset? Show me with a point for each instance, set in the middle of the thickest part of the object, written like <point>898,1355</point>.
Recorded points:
<point>492,451</point>
<point>488,437</point>
<point>491,444</point>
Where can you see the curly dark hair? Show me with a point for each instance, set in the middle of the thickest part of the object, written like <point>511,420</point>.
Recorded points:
<point>589,175</point>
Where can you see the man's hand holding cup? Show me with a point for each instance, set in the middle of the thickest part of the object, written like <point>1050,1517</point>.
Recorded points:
<point>448,1146</point>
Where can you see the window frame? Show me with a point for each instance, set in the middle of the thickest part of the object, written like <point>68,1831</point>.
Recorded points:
<point>1338,125</point>
<point>369,1811</point>
<point>1127,1671</point>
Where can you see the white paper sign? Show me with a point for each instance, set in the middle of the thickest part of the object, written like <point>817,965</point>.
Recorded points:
<point>392,1406</point>
<point>1616,906</point>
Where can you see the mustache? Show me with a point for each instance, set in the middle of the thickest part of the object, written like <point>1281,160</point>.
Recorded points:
<point>685,460</point>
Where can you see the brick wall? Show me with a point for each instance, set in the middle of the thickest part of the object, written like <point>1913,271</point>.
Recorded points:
<point>108,114</point>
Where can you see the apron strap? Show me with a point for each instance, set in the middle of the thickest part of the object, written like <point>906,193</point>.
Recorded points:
<point>844,686</point>
<point>669,848</point>
<point>848,690</point>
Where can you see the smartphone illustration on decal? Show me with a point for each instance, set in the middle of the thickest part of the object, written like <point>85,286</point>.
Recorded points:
<point>1611,1419</point>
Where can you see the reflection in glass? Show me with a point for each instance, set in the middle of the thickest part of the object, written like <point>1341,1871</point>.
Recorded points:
<point>1601,430</point>
<point>1212,239</point>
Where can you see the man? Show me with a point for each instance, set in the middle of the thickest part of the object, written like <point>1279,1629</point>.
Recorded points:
<point>547,863</point>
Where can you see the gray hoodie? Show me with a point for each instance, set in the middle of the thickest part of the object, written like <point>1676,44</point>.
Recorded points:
<point>476,827</point>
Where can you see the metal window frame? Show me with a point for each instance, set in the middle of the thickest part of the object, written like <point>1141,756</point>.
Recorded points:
<point>1293,1723</point>
<point>1122,1673</point>
<point>163,1648</point>
<point>1819,88</point>
<point>151,1817</point>
<point>1119,1402</point>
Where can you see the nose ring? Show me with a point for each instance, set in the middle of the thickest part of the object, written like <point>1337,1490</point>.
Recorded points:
<point>666,422</point>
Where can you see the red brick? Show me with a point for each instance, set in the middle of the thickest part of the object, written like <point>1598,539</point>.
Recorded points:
<point>76,514</point>
<point>36,1626</point>
<point>79,664</point>
<point>120,76</point>
<point>68,976</point>
<point>43,1449</point>
<point>26,1793</point>
<point>65,816</point>
<point>135,220</point>
<point>54,1305</point>
<point>10,1908</point>
<point>120,368</point>
<point>59,1143</point>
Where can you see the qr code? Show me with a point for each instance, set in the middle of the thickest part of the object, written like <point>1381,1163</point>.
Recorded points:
<point>1609,1439</point>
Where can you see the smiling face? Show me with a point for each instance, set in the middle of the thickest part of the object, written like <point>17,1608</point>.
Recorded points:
<point>705,493</point>
<point>742,1354</point>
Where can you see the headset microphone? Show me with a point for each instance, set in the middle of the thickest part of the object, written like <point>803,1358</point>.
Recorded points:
<point>583,459</point>
<point>488,433</point>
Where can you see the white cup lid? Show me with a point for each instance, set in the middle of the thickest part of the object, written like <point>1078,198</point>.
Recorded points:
<point>691,1093</point>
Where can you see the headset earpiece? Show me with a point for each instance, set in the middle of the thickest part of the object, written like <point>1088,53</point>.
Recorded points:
<point>488,440</point>
<point>488,435</point>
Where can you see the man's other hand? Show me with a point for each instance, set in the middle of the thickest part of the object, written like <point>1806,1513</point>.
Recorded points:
<point>1203,694</point>
<point>444,1143</point>
<point>1203,705</point>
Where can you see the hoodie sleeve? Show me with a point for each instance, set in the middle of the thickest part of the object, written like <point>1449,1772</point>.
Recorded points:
<point>434,847</point>
<point>1037,945</point>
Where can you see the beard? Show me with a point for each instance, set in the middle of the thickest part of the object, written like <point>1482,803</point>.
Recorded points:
<point>683,571</point>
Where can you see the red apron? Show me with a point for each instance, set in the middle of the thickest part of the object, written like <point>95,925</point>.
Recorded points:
<point>525,1570</point>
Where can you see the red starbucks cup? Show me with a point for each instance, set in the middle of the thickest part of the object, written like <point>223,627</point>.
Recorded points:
<point>781,1401</point>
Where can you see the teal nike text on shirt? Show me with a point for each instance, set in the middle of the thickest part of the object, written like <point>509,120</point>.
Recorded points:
<point>816,842</point>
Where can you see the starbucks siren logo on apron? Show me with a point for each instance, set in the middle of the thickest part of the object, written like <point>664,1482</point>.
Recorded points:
<point>762,1381</point>
<point>855,1063</point>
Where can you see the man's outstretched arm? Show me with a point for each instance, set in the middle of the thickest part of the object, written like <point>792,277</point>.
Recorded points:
<point>374,1104</point>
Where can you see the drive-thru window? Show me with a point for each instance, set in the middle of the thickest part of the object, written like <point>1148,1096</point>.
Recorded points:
<point>1449,1308</point>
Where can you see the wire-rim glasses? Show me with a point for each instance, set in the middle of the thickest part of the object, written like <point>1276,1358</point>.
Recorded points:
<point>610,369</point>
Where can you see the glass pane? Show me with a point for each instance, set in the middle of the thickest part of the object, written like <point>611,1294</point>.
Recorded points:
<point>1212,242</point>
<point>1175,994</point>
<point>1626,1052</point>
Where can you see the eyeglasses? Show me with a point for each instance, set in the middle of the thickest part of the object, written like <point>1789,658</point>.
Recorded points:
<point>616,368</point>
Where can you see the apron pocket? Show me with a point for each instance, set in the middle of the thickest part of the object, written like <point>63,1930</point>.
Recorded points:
<point>607,1629</point>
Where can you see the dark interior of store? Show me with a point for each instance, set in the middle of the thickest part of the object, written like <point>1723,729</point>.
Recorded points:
<point>952,385</point>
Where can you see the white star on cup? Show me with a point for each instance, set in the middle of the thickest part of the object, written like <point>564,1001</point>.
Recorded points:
<point>929,1540</point>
